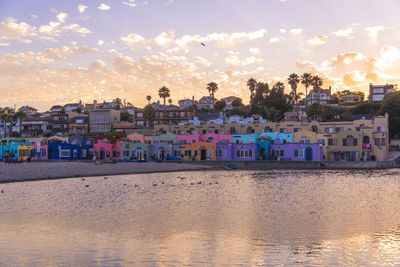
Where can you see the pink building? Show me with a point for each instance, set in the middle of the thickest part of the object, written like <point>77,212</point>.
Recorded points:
<point>209,137</point>
<point>188,138</point>
<point>104,149</point>
<point>140,138</point>
<point>215,138</point>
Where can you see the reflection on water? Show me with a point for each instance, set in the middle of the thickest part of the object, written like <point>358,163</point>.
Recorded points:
<point>243,217</point>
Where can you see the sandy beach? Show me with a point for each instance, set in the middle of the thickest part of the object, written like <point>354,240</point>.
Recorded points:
<point>56,170</point>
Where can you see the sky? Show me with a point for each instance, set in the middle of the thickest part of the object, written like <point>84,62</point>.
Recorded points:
<point>57,52</point>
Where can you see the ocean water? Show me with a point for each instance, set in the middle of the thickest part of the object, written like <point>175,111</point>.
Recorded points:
<point>275,217</point>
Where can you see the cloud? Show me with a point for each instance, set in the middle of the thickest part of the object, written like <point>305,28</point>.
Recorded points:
<point>82,8</point>
<point>78,29</point>
<point>389,59</point>
<point>235,60</point>
<point>12,30</point>
<point>373,32</point>
<point>222,39</point>
<point>103,7</point>
<point>255,51</point>
<point>135,41</point>
<point>353,78</point>
<point>130,3</point>
<point>304,63</point>
<point>165,39</point>
<point>296,31</point>
<point>318,40</point>
<point>100,42</point>
<point>343,33</point>
<point>347,58</point>
<point>62,17</point>
<point>274,40</point>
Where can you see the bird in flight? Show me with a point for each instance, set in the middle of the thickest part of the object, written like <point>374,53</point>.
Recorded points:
<point>203,44</point>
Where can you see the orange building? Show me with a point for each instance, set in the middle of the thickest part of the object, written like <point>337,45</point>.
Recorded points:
<point>199,151</point>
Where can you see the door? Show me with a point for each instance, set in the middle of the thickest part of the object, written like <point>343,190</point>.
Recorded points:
<point>308,154</point>
<point>263,154</point>
<point>161,153</point>
<point>336,156</point>
<point>50,153</point>
<point>102,154</point>
<point>138,154</point>
<point>203,154</point>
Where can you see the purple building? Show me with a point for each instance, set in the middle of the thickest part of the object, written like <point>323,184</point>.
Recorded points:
<point>296,152</point>
<point>237,152</point>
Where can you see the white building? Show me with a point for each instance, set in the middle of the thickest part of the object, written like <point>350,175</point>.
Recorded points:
<point>378,92</point>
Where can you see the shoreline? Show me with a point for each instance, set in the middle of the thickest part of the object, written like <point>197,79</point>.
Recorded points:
<point>52,170</point>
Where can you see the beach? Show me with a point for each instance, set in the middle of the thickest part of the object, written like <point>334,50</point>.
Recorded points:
<point>58,169</point>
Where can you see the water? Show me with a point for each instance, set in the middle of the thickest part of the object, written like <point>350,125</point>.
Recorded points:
<point>313,218</point>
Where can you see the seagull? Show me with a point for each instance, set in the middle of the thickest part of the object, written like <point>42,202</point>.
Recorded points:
<point>105,178</point>
<point>2,191</point>
<point>83,179</point>
<point>154,184</point>
<point>203,44</point>
<point>87,185</point>
<point>136,185</point>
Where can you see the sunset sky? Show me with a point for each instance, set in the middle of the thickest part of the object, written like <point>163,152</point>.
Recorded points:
<point>57,52</point>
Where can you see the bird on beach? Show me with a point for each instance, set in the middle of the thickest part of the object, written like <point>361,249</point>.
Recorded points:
<point>199,182</point>
<point>2,191</point>
<point>136,185</point>
<point>105,178</point>
<point>154,184</point>
<point>203,44</point>
<point>87,185</point>
<point>83,179</point>
<point>162,182</point>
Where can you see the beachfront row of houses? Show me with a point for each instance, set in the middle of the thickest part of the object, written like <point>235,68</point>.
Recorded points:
<point>138,147</point>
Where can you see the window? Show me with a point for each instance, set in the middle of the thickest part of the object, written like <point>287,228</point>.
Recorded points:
<point>188,153</point>
<point>328,130</point>
<point>75,153</point>
<point>44,152</point>
<point>305,141</point>
<point>332,142</point>
<point>250,153</point>
<point>321,141</point>
<point>125,153</point>
<point>298,153</point>
<point>64,153</point>
<point>238,153</point>
<point>204,131</point>
<point>116,154</point>
<point>383,142</point>
<point>282,153</point>
<point>296,130</point>
<point>196,152</point>
<point>222,153</point>
<point>83,153</point>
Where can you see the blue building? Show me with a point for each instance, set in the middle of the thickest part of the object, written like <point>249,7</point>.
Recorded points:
<point>58,150</point>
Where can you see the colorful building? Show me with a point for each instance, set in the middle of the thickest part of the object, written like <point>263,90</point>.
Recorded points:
<point>133,150</point>
<point>104,149</point>
<point>160,150</point>
<point>239,152</point>
<point>296,152</point>
<point>199,151</point>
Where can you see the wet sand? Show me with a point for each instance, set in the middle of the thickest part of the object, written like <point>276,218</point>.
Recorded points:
<point>56,170</point>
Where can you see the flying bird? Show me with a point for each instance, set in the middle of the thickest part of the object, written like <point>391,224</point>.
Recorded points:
<point>203,44</point>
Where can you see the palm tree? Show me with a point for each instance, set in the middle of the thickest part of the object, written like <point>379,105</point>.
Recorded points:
<point>317,82</point>
<point>212,87</point>
<point>293,81</point>
<point>251,83</point>
<point>19,115</point>
<point>163,92</point>
<point>148,99</point>
<point>306,80</point>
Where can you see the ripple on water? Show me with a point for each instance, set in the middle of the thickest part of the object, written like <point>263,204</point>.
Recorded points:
<point>289,217</point>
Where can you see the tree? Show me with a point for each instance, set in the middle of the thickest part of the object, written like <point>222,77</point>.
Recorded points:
<point>306,80</point>
<point>329,112</point>
<point>149,114</point>
<point>6,118</point>
<point>315,111</point>
<point>261,92</point>
<point>163,92</point>
<point>252,83</point>
<point>237,103</point>
<point>366,108</point>
<point>19,115</point>
<point>125,116</point>
<point>276,102</point>
<point>219,106</point>
<point>317,82</point>
<point>118,101</point>
<point>391,106</point>
<point>148,99</point>
<point>293,81</point>
<point>212,87</point>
